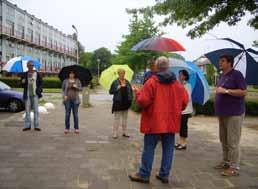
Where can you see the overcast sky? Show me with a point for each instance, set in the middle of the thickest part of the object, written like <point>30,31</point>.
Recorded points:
<point>102,23</point>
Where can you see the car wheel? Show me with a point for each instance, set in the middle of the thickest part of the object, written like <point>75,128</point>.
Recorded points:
<point>14,105</point>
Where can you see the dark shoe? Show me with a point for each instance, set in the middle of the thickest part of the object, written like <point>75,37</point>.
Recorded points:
<point>230,172</point>
<point>26,129</point>
<point>176,145</point>
<point>181,147</point>
<point>137,178</point>
<point>37,129</point>
<point>222,165</point>
<point>126,136</point>
<point>163,180</point>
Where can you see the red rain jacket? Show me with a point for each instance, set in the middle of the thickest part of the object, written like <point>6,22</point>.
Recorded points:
<point>162,105</point>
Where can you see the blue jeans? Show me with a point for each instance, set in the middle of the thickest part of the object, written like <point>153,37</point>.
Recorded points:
<point>71,105</point>
<point>31,103</point>
<point>150,142</point>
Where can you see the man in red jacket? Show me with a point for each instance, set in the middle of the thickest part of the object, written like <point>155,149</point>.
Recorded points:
<point>162,98</point>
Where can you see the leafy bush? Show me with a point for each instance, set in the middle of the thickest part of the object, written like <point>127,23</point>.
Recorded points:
<point>48,82</point>
<point>51,82</point>
<point>208,108</point>
<point>13,82</point>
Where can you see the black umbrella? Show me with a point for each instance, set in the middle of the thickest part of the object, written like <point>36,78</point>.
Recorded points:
<point>83,74</point>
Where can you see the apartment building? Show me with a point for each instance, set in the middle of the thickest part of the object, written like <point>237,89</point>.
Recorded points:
<point>21,33</point>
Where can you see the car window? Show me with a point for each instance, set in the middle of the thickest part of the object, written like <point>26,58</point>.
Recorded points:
<point>3,86</point>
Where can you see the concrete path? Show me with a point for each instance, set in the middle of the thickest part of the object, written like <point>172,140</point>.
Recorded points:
<point>93,160</point>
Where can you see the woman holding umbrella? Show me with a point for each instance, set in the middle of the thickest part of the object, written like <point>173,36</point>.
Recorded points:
<point>186,113</point>
<point>70,90</point>
<point>122,99</point>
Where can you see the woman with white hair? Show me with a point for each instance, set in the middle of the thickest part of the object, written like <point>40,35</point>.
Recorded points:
<point>122,99</point>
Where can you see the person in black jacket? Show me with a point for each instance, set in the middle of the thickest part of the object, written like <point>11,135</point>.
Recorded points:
<point>32,85</point>
<point>122,99</point>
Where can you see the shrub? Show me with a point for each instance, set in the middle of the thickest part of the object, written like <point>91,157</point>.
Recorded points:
<point>51,82</point>
<point>208,108</point>
<point>135,107</point>
<point>48,82</point>
<point>13,82</point>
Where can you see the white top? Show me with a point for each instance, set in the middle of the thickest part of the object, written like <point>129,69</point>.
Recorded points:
<point>189,107</point>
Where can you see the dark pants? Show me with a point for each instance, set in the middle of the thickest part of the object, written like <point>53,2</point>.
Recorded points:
<point>150,142</point>
<point>184,125</point>
<point>70,105</point>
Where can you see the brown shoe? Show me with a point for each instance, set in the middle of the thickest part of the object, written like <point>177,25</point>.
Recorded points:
<point>137,178</point>
<point>230,172</point>
<point>222,165</point>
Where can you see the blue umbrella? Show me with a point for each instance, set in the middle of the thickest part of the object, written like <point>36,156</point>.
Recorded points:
<point>244,60</point>
<point>19,64</point>
<point>197,79</point>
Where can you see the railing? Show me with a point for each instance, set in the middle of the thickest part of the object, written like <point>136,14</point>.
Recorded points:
<point>29,39</point>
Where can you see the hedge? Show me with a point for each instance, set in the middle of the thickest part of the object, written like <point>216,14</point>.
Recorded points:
<point>208,108</point>
<point>48,82</point>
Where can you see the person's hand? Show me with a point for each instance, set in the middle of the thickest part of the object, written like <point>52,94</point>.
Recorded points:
<point>65,98</point>
<point>221,90</point>
<point>74,85</point>
<point>135,89</point>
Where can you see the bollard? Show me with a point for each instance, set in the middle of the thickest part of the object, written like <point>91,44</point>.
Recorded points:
<point>86,97</point>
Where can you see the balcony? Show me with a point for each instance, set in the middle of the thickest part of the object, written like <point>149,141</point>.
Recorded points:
<point>35,42</point>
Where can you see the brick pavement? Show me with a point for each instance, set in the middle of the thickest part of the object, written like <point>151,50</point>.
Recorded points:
<point>93,160</point>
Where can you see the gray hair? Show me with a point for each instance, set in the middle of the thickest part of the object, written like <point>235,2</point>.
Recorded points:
<point>162,63</point>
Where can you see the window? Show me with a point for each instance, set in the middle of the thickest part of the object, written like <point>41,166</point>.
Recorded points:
<point>20,31</point>
<point>10,27</point>
<point>30,34</point>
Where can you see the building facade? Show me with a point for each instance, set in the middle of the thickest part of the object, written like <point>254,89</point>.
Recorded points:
<point>23,34</point>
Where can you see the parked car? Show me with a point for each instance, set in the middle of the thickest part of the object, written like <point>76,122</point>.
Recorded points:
<point>9,99</point>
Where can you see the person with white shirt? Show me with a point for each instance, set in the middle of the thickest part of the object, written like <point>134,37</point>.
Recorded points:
<point>186,113</point>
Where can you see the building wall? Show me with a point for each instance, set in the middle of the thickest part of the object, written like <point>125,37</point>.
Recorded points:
<point>24,34</point>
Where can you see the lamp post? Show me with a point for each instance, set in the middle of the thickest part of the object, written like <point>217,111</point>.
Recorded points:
<point>77,54</point>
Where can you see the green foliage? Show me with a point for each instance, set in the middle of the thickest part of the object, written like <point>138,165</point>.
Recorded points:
<point>208,108</point>
<point>204,15</point>
<point>86,59</point>
<point>135,107</point>
<point>210,74</point>
<point>103,55</point>
<point>51,82</point>
<point>141,27</point>
<point>48,82</point>
<point>13,82</point>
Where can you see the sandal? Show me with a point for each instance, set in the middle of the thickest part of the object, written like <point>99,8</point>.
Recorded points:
<point>230,172</point>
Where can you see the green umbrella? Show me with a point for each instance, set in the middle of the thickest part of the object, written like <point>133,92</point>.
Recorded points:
<point>110,74</point>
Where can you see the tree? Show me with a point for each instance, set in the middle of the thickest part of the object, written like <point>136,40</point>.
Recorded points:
<point>141,27</point>
<point>255,43</point>
<point>103,57</point>
<point>204,15</point>
<point>86,59</point>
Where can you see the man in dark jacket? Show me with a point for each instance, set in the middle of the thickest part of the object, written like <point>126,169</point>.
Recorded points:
<point>32,85</point>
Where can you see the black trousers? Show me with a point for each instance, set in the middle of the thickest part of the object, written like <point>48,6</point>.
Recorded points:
<point>184,125</point>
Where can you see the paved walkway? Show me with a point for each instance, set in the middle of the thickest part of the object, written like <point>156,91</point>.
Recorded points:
<point>93,160</point>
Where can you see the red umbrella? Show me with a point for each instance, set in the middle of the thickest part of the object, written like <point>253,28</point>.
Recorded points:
<point>161,44</point>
